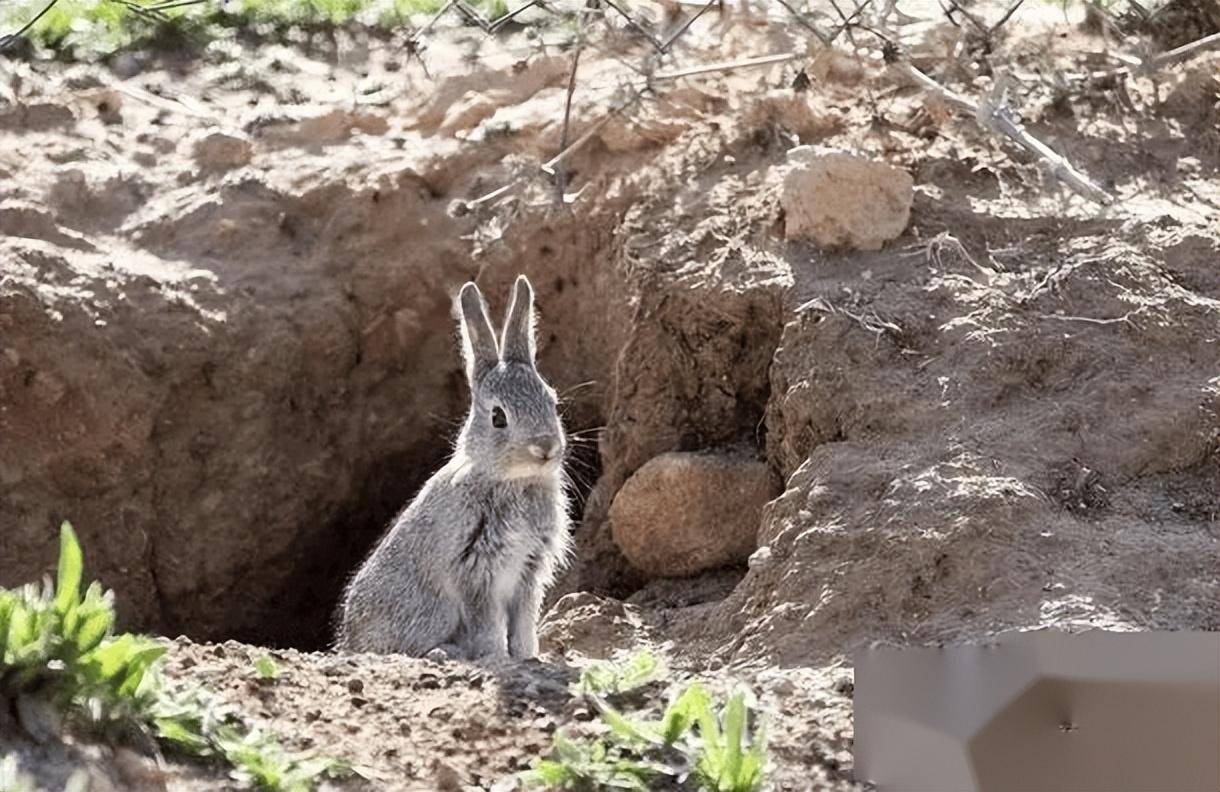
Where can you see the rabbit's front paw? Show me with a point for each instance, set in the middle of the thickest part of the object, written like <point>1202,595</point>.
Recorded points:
<point>444,653</point>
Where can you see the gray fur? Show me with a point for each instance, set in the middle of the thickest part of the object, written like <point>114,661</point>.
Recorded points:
<point>465,566</point>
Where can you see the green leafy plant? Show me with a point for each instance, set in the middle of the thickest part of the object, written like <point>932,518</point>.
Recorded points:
<point>726,762</point>
<point>97,28</point>
<point>58,647</point>
<point>266,668</point>
<point>194,721</point>
<point>593,765</point>
<point>692,745</point>
<point>611,678</point>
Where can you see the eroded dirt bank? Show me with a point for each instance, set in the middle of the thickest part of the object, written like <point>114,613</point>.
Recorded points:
<point>228,358</point>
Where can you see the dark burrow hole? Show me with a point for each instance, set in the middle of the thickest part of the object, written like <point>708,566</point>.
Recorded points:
<point>302,616</point>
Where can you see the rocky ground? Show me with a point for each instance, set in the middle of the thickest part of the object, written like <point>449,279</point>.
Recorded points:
<point>897,386</point>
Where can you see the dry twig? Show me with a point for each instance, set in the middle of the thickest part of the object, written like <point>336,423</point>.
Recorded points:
<point>745,63</point>
<point>549,166</point>
<point>991,31</point>
<point>1184,52</point>
<point>1125,318</point>
<point>561,175</point>
<point>800,20</point>
<point>13,38</point>
<point>998,117</point>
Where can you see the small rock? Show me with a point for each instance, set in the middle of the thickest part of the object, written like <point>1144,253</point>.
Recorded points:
<point>216,150</point>
<point>128,64</point>
<point>782,686</point>
<point>438,655</point>
<point>447,777</point>
<point>138,772</point>
<point>355,686</point>
<point>47,387</point>
<point>647,128</point>
<point>317,125</point>
<point>36,117</point>
<point>468,112</point>
<point>796,112</point>
<point>683,513</point>
<point>760,558</point>
<point>597,625</point>
<point>370,123</point>
<point>106,102</point>
<point>39,717</point>
<point>840,200</point>
<point>837,66</point>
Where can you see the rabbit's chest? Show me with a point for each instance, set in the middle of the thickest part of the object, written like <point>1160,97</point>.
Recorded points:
<point>513,565</point>
<point>525,540</point>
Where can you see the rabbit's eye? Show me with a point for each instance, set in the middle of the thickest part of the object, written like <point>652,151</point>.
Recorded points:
<point>498,418</point>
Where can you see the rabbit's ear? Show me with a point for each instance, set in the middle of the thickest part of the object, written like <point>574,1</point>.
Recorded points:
<point>518,339</point>
<point>479,349</point>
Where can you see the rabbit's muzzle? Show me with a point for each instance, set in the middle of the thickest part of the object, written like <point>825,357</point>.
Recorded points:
<point>545,448</point>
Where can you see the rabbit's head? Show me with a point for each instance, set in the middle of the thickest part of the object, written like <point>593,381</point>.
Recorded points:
<point>513,429</point>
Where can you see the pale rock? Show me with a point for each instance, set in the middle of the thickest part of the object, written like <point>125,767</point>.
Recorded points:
<point>683,513</point>
<point>840,200</point>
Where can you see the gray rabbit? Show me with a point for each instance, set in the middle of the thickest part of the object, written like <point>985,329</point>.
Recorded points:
<point>464,567</point>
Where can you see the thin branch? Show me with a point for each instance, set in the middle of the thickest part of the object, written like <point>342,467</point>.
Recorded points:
<point>473,15</point>
<point>800,20</point>
<point>506,18</point>
<point>1182,53</point>
<point>1090,320</point>
<point>991,31</point>
<point>414,38</point>
<point>999,118</point>
<point>849,21</point>
<point>763,60</point>
<point>592,8</point>
<point>148,14</point>
<point>686,26</point>
<point>561,174</point>
<point>549,166</point>
<point>493,195</point>
<point>634,24</point>
<point>1141,67</point>
<point>953,6</point>
<point>172,105</point>
<point>169,4</point>
<point>10,39</point>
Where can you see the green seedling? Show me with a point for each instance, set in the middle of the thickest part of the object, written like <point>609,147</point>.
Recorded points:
<point>60,648</point>
<point>692,746</point>
<point>616,678</point>
<point>266,668</point>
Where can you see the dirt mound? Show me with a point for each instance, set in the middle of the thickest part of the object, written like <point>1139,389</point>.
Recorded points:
<point>919,505</point>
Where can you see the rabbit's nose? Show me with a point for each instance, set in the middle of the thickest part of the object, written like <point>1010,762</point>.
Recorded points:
<point>544,448</point>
